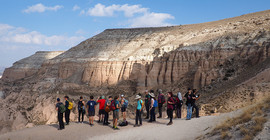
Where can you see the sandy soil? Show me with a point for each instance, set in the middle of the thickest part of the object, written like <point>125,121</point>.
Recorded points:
<point>181,129</point>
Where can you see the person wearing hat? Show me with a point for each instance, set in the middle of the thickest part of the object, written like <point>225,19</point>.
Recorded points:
<point>153,106</point>
<point>124,104</point>
<point>138,110</point>
<point>101,101</point>
<point>60,114</point>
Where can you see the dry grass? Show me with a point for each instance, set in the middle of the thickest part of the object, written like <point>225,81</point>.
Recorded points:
<point>250,122</point>
<point>224,134</point>
<point>247,137</point>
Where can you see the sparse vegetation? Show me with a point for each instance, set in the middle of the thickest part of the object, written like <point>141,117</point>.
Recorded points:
<point>245,126</point>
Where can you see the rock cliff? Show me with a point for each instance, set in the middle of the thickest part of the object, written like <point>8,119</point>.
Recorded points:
<point>28,66</point>
<point>220,58</point>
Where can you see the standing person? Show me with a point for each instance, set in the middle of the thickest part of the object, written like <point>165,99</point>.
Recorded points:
<point>67,113</point>
<point>161,101</point>
<point>124,104</point>
<point>179,105</point>
<point>107,110</point>
<point>81,109</point>
<point>91,106</point>
<point>116,112</point>
<point>197,96</point>
<point>153,106</point>
<point>101,111</point>
<point>60,108</point>
<point>138,110</point>
<point>189,102</point>
<point>147,103</point>
<point>170,104</point>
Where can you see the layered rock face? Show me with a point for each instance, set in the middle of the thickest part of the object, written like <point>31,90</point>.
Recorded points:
<point>28,66</point>
<point>160,57</point>
<point>216,57</point>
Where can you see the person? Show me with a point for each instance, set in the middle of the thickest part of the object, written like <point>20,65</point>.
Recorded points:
<point>197,96</point>
<point>138,110</point>
<point>189,102</point>
<point>147,103</point>
<point>179,105</point>
<point>153,106</point>
<point>161,101</point>
<point>107,110</point>
<point>170,104</point>
<point>124,104</point>
<point>81,109</point>
<point>60,108</point>
<point>116,112</point>
<point>101,111</point>
<point>67,113</point>
<point>91,106</point>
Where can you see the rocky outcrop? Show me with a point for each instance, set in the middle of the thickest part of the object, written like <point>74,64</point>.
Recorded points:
<point>28,66</point>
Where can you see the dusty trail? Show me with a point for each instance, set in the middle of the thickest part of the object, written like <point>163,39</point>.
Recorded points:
<point>181,129</point>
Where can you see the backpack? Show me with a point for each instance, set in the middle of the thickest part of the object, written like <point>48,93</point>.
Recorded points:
<point>161,99</point>
<point>112,106</point>
<point>70,105</point>
<point>62,108</point>
<point>142,103</point>
<point>125,103</point>
<point>107,109</point>
<point>174,102</point>
<point>80,105</point>
<point>155,103</point>
<point>124,123</point>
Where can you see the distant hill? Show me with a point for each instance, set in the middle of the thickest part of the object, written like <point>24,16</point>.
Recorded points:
<point>1,71</point>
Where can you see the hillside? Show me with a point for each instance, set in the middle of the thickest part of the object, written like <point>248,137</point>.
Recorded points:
<point>227,60</point>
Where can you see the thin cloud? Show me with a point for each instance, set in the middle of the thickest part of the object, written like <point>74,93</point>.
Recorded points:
<point>75,8</point>
<point>137,16</point>
<point>18,35</point>
<point>101,10</point>
<point>40,8</point>
<point>151,20</point>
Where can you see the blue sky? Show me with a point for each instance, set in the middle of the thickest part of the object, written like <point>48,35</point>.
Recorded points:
<point>27,26</point>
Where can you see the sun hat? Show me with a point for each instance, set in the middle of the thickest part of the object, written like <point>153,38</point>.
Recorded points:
<point>122,95</point>
<point>152,94</point>
<point>102,97</point>
<point>138,97</point>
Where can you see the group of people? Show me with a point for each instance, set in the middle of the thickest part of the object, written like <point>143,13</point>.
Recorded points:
<point>150,103</point>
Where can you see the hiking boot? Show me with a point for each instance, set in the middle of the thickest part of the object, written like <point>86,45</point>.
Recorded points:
<point>136,125</point>
<point>116,128</point>
<point>67,123</point>
<point>170,123</point>
<point>150,121</point>
<point>158,117</point>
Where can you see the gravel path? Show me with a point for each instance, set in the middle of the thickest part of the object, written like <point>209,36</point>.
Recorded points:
<point>181,129</point>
